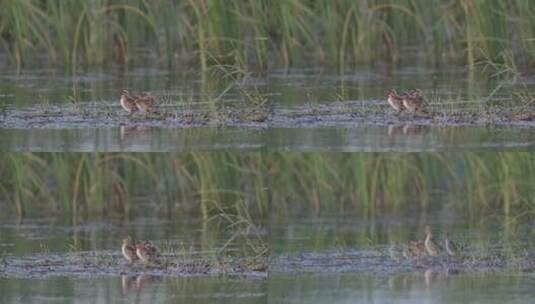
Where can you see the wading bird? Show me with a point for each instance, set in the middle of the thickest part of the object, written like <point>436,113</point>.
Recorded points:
<point>450,247</point>
<point>147,252</point>
<point>128,102</point>
<point>416,249</point>
<point>413,101</point>
<point>145,103</point>
<point>395,101</point>
<point>430,246</point>
<point>129,250</point>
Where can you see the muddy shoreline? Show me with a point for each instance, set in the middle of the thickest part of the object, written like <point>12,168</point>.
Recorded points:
<point>108,263</point>
<point>383,263</point>
<point>336,114</point>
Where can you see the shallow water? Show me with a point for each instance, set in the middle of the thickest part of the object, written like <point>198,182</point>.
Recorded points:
<point>398,138</point>
<point>306,110</point>
<point>141,289</point>
<point>420,287</point>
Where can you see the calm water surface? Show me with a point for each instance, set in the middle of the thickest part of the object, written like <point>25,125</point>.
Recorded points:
<point>403,288</point>
<point>363,138</point>
<point>132,290</point>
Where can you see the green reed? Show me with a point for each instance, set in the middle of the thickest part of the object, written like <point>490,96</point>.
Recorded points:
<point>242,187</point>
<point>379,183</point>
<point>79,185</point>
<point>341,34</point>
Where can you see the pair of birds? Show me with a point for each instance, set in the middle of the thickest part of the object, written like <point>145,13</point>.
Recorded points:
<point>144,103</point>
<point>143,251</point>
<point>411,101</point>
<point>428,246</point>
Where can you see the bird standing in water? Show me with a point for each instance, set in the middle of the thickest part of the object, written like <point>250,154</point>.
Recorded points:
<point>145,103</point>
<point>395,101</point>
<point>413,101</point>
<point>147,252</point>
<point>430,246</point>
<point>129,250</point>
<point>450,247</point>
<point>128,102</point>
<point>416,249</point>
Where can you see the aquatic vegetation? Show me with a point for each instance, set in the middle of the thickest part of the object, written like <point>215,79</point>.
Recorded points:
<point>105,184</point>
<point>233,187</point>
<point>492,34</point>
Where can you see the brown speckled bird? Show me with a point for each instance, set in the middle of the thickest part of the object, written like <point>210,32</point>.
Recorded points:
<point>395,101</point>
<point>450,247</point>
<point>128,102</point>
<point>129,250</point>
<point>145,103</point>
<point>147,252</point>
<point>430,246</point>
<point>416,249</point>
<point>413,101</point>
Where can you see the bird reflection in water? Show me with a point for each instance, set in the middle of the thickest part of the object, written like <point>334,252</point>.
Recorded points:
<point>129,282</point>
<point>406,129</point>
<point>129,131</point>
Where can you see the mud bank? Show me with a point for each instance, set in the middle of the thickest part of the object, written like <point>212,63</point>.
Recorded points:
<point>335,114</point>
<point>389,263</point>
<point>91,264</point>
